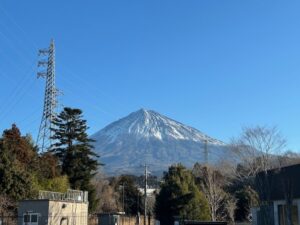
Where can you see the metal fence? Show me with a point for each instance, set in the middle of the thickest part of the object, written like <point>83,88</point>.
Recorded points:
<point>70,195</point>
<point>124,220</point>
<point>92,220</point>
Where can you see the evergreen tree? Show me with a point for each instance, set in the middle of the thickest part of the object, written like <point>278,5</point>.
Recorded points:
<point>48,174</point>
<point>179,196</point>
<point>246,199</point>
<point>48,166</point>
<point>23,172</point>
<point>15,173</point>
<point>19,147</point>
<point>132,195</point>
<point>75,151</point>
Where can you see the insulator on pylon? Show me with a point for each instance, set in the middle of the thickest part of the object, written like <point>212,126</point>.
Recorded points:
<point>41,74</point>
<point>43,51</point>
<point>42,63</point>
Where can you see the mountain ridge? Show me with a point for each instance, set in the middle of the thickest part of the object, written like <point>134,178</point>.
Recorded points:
<point>148,136</point>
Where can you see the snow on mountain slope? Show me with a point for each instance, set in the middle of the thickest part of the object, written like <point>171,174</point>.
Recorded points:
<point>147,136</point>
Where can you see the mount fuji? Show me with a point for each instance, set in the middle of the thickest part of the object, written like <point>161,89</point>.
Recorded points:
<point>146,136</point>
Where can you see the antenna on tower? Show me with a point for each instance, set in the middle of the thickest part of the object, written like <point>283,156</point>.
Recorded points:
<point>47,61</point>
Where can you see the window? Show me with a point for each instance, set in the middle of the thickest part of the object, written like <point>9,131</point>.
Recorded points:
<point>34,218</point>
<point>30,219</point>
<point>26,218</point>
<point>282,213</point>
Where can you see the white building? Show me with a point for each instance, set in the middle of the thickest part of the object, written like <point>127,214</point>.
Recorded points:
<point>53,208</point>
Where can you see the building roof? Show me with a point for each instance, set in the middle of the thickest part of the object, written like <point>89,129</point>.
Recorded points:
<point>276,183</point>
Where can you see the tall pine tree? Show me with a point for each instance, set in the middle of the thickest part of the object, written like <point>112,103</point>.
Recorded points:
<point>75,152</point>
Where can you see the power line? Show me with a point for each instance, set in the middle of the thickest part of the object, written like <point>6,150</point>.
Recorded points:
<point>15,48</point>
<point>91,89</point>
<point>81,81</point>
<point>68,86</point>
<point>18,26</point>
<point>16,95</point>
<point>22,87</point>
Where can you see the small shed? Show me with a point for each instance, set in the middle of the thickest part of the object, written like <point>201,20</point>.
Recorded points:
<point>113,218</point>
<point>53,208</point>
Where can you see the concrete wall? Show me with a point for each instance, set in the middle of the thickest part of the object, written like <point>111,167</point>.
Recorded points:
<point>54,212</point>
<point>66,213</point>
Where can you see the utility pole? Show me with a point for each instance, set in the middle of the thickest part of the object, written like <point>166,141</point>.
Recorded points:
<point>123,204</point>
<point>123,199</point>
<point>145,195</point>
<point>47,61</point>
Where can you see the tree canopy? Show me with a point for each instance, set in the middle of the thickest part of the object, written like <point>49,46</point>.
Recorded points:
<point>132,196</point>
<point>23,171</point>
<point>179,196</point>
<point>74,150</point>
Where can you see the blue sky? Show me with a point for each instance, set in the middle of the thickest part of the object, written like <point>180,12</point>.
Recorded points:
<point>212,64</point>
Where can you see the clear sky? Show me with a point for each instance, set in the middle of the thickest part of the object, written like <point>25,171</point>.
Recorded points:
<point>215,65</point>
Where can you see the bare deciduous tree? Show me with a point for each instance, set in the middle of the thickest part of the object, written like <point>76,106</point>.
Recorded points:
<point>289,158</point>
<point>258,149</point>
<point>230,206</point>
<point>106,194</point>
<point>212,182</point>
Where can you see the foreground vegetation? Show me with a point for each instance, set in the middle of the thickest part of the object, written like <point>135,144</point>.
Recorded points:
<point>69,163</point>
<point>205,192</point>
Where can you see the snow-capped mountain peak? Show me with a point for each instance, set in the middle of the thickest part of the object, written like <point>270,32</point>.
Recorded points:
<point>145,136</point>
<point>152,125</point>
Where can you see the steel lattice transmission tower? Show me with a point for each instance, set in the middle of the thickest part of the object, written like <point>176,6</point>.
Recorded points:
<point>47,61</point>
